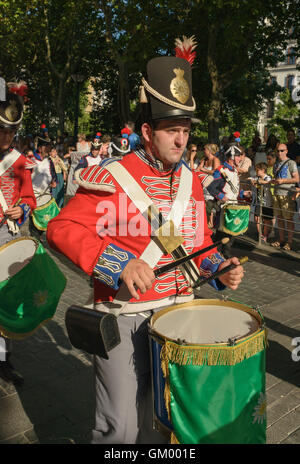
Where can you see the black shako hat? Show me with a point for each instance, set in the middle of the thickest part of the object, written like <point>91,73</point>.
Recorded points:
<point>168,88</point>
<point>11,110</point>
<point>96,145</point>
<point>41,142</point>
<point>119,146</point>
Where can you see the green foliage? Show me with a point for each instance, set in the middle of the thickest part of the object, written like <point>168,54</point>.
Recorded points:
<point>47,42</point>
<point>286,116</point>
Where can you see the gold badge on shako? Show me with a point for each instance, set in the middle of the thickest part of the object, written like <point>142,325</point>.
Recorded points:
<point>11,111</point>
<point>179,86</point>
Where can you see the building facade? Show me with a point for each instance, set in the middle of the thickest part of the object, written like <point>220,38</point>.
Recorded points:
<point>287,76</point>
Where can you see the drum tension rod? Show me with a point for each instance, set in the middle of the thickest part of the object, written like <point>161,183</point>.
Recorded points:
<point>181,342</point>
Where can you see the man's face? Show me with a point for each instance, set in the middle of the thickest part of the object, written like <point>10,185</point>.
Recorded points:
<point>105,148</point>
<point>282,151</point>
<point>237,159</point>
<point>290,137</point>
<point>6,138</point>
<point>95,152</point>
<point>168,141</point>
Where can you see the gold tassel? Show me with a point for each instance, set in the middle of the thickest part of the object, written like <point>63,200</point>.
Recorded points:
<point>165,371</point>
<point>217,355</point>
<point>174,440</point>
<point>143,96</point>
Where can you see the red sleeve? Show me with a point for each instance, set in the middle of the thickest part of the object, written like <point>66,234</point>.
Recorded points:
<point>26,190</point>
<point>74,231</point>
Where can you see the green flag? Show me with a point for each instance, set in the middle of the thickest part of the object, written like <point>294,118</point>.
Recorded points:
<point>216,395</point>
<point>235,219</point>
<point>43,214</point>
<point>31,296</point>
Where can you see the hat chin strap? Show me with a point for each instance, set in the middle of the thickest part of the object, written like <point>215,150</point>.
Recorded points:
<point>159,96</point>
<point>13,123</point>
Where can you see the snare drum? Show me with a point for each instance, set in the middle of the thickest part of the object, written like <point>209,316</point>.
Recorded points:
<point>46,210</point>
<point>208,372</point>
<point>234,219</point>
<point>30,287</point>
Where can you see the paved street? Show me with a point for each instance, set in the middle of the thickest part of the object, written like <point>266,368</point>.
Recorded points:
<point>55,404</point>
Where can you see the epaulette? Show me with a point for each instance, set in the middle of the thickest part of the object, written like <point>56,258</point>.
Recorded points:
<point>107,161</point>
<point>95,178</point>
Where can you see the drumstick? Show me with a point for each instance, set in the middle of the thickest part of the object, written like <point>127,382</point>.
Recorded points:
<point>178,262</point>
<point>17,203</point>
<point>217,274</point>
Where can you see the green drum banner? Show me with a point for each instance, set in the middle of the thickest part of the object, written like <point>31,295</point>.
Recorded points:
<point>31,296</point>
<point>235,219</point>
<point>216,394</point>
<point>43,214</point>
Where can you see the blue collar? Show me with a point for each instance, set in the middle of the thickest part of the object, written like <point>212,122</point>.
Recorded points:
<point>228,166</point>
<point>37,156</point>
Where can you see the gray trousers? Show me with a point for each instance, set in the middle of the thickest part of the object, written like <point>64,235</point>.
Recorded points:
<point>123,388</point>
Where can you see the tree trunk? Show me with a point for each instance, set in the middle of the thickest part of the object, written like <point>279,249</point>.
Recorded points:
<point>123,92</point>
<point>60,104</point>
<point>213,117</point>
<point>216,88</point>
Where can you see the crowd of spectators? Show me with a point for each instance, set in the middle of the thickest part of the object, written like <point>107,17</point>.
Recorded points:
<point>270,170</point>
<point>262,168</point>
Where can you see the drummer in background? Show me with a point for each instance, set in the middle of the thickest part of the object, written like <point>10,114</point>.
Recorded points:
<point>93,158</point>
<point>225,188</point>
<point>16,193</point>
<point>44,177</point>
<point>90,235</point>
<point>61,174</point>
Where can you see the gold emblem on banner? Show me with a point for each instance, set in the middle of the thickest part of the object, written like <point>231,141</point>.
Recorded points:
<point>179,86</point>
<point>11,111</point>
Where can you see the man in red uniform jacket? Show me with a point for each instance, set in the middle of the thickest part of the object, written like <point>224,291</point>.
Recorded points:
<point>105,231</point>
<point>17,199</point>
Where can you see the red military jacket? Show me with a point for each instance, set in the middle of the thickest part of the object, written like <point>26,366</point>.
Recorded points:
<point>15,184</point>
<point>100,229</point>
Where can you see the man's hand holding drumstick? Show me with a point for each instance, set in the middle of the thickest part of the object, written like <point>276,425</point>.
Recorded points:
<point>14,212</point>
<point>139,275</point>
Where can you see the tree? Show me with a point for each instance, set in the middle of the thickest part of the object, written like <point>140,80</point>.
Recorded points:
<point>286,116</point>
<point>239,41</point>
<point>59,39</point>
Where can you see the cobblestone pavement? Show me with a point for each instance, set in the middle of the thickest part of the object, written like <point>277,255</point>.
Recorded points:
<point>55,404</point>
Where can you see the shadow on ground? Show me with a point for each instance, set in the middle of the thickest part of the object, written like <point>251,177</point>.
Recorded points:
<point>57,395</point>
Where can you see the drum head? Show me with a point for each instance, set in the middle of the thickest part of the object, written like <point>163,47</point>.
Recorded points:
<point>214,323</point>
<point>15,255</point>
<point>42,200</point>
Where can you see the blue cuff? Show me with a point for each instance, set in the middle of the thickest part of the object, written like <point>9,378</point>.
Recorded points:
<point>221,195</point>
<point>210,265</point>
<point>111,265</point>
<point>26,211</point>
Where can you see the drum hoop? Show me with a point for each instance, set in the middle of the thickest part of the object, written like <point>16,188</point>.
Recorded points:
<point>11,242</point>
<point>45,205</point>
<point>236,206</point>
<point>209,302</point>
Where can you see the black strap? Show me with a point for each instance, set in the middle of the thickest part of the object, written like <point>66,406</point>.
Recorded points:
<point>278,170</point>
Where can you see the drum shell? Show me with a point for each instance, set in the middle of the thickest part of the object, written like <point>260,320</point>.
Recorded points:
<point>46,210</point>
<point>30,297</point>
<point>234,219</point>
<point>219,416</point>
